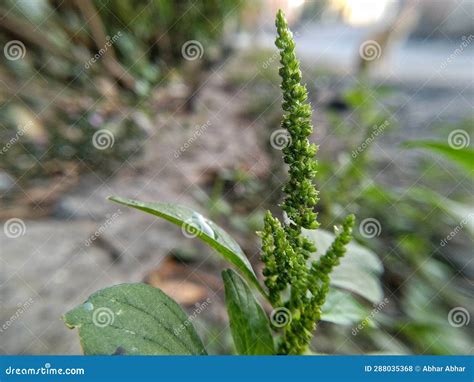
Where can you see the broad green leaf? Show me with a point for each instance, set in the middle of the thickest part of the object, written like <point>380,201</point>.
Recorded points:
<point>359,269</point>
<point>134,319</point>
<point>248,322</point>
<point>462,156</point>
<point>343,309</point>
<point>200,227</point>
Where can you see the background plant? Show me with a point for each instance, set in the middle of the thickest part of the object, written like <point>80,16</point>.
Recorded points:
<point>96,67</point>
<point>139,319</point>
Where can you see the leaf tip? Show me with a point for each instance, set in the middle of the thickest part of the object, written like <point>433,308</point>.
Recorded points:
<point>67,320</point>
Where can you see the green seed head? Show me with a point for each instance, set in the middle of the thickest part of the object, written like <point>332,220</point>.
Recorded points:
<point>292,283</point>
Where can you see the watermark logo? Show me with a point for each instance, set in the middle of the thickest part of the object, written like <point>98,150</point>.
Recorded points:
<point>280,139</point>
<point>196,134</point>
<point>103,139</point>
<point>365,322</point>
<point>370,50</point>
<point>458,317</point>
<point>270,60</point>
<point>466,41</point>
<point>22,308</point>
<point>199,308</point>
<point>455,231</point>
<point>370,228</point>
<point>14,228</point>
<point>14,50</point>
<point>103,317</point>
<point>110,41</point>
<point>459,139</point>
<point>102,228</point>
<point>20,132</point>
<point>376,131</point>
<point>192,50</point>
<point>280,317</point>
<point>195,225</point>
<point>47,369</point>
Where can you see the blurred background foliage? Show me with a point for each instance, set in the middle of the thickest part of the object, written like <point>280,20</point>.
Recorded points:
<point>63,97</point>
<point>374,160</point>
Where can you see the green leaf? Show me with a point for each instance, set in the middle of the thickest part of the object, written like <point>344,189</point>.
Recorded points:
<point>343,309</point>
<point>200,227</point>
<point>462,156</point>
<point>134,319</point>
<point>359,269</point>
<point>248,322</point>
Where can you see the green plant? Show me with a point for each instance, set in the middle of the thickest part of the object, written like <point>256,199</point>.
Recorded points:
<point>140,319</point>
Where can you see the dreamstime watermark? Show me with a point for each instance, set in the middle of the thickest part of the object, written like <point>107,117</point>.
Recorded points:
<point>280,139</point>
<point>103,139</point>
<point>280,317</point>
<point>14,50</point>
<point>22,308</point>
<point>456,230</point>
<point>198,309</point>
<point>192,50</point>
<point>194,137</point>
<point>458,317</point>
<point>376,131</point>
<point>110,41</point>
<point>459,139</point>
<point>370,228</point>
<point>103,317</point>
<point>370,50</point>
<point>466,41</point>
<point>196,224</point>
<point>20,132</point>
<point>365,322</point>
<point>45,370</point>
<point>266,64</point>
<point>14,228</point>
<point>102,228</point>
